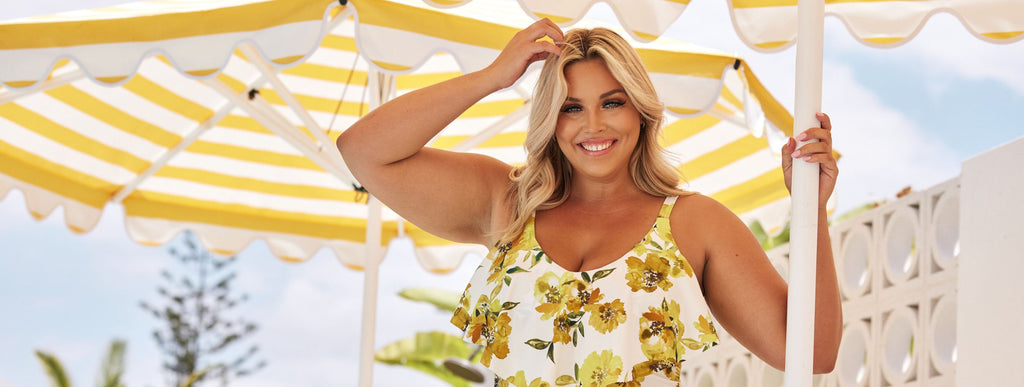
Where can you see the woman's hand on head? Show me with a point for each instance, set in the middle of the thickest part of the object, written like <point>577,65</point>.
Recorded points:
<point>819,152</point>
<point>524,49</point>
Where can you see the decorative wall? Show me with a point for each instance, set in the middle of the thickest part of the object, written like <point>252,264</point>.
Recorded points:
<point>897,268</point>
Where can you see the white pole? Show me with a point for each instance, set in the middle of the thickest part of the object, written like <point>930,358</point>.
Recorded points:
<point>370,274</point>
<point>804,226</point>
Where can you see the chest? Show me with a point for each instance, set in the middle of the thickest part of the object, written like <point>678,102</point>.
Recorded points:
<point>584,240</point>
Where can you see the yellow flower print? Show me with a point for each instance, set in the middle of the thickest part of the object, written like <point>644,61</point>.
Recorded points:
<point>561,329</point>
<point>649,274</point>
<point>519,380</point>
<point>680,265</point>
<point>600,369</point>
<point>493,334</point>
<point>669,369</point>
<point>658,331</point>
<point>607,316</point>
<point>708,335</point>
<point>580,294</point>
<point>550,292</point>
<point>497,269</point>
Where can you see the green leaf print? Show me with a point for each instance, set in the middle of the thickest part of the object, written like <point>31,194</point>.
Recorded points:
<point>551,353</point>
<point>508,305</point>
<point>538,343</point>
<point>603,273</point>
<point>580,327</point>
<point>508,280</point>
<point>574,338</point>
<point>565,380</point>
<point>516,269</point>
<point>586,277</point>
<point>576,370</point>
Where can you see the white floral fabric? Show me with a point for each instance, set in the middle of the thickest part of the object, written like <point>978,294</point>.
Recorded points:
<point>629,323</point>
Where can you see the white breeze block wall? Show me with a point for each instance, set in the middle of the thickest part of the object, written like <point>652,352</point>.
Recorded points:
<point>897,267</point>
<point>991,317</point>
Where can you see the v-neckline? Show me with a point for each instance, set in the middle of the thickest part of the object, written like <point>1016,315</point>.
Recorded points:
<point>532,223</point>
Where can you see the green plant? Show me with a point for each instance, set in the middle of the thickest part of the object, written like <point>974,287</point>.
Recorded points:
<point>198,330</point>
<point>111,368</point>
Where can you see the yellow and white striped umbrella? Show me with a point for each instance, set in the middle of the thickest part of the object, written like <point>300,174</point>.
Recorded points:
<point>770,25</point>
<point>220,116</point>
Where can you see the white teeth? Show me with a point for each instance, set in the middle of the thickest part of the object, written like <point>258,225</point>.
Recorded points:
<point>596,147</point>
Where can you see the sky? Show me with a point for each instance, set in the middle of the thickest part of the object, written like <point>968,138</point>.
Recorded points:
<point>905,116</point>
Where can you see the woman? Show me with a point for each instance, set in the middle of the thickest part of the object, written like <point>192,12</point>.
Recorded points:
<point>567,294</point>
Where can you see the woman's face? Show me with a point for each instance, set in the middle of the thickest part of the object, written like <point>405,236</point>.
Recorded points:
<point>598,126</point>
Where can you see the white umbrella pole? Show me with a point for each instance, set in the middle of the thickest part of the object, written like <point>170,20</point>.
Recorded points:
<point>370,275</point>
<point>804,226</point>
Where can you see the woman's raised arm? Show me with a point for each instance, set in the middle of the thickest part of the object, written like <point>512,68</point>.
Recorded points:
<point>452,195</point>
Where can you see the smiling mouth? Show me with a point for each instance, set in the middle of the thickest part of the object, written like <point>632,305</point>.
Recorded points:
<point>597,146</point>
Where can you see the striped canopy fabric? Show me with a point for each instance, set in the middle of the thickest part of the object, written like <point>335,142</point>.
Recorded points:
<point>220,116</point>
<point>770,25</point>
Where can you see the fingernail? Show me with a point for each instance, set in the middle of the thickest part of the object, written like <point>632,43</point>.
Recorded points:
<point>808,158</point>
<point>796,154</point>
<point>802,136</point>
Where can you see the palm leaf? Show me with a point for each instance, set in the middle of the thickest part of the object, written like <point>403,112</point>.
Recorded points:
<point>112,368</point>
<point>53,368</point>
<point>426,352</point>
<point>442,299</point>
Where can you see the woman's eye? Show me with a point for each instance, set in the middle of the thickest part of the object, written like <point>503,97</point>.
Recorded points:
<point>613,104</point>
<point>571,108</point>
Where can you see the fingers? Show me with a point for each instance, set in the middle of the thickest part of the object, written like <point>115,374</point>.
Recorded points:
<point>544,28</point>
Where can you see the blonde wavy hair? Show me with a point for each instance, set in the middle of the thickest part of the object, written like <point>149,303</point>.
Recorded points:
<point>545,180</point>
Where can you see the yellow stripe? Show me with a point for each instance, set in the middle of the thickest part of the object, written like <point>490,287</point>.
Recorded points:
<point>45,127</point>
<point>500,140</point>
<point>1003,35</point>
<point>54,177</point>
<point>718,158</point>
<point>447,2</point>
<point>772,45</point>
<point>113,116</point>
<point>252,155</point>
<point>159,95</point>
<point>773,110</point>
<point>558,19</point>
<point>156,205</point>
<point>288,59</point>
<point>320,104</point>
<point>753,193</point>
<point>645,36</point>
<point>427,22</point>
<point>684,128</point>
<point>241,18</point>
<point>257,185</point>
<point>233,83</point>
<point>695,65</point>
<point>234,121</point>
<point>884,40</point>
<point>391,66</point>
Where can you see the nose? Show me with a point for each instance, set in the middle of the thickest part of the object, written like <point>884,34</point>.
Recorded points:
<point>593,121</point>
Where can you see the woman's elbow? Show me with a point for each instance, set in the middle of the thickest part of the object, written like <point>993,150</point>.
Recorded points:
<point>823,363</point>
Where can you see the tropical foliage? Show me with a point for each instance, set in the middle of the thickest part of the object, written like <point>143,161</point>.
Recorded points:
<point>111,368</point>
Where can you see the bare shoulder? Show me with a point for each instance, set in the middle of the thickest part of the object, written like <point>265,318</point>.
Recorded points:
<point>698,222</point>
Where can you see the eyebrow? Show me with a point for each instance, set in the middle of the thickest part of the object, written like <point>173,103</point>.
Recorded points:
<point>609,93</point>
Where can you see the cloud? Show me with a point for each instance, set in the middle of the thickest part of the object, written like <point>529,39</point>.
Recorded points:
<point>883,150</point>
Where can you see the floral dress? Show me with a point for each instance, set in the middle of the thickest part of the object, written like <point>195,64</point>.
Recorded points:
<point>629,323</point>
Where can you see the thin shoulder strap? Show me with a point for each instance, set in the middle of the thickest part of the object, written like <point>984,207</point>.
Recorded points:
<point>666,208</point>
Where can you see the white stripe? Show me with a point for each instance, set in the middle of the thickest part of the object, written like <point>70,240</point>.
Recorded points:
<point>198,191</point>
<point>139,107</point>
<point>257,171</point>
<point>735,173</point>
<point>86,125</point>
<point>246,139</point>
<point>706,141</point>
<point>61,154</point>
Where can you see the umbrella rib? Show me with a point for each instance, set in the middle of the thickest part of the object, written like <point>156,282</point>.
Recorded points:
<point>180,146</point>
<point>287,96</point>
<point>57,81</point>
<point>280,126</point>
